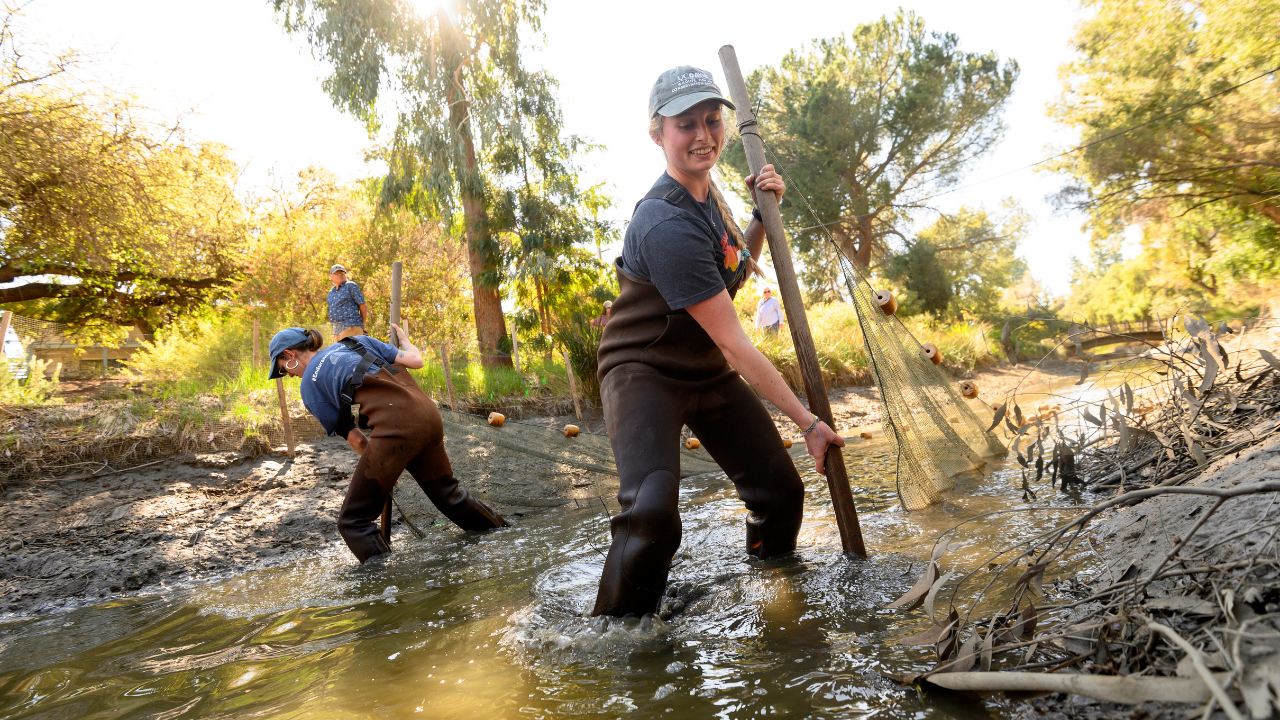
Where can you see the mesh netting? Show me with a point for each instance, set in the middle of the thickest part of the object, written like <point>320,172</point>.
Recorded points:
<point>31,331</point>
<point>528,464</point>
<point>937,433</point>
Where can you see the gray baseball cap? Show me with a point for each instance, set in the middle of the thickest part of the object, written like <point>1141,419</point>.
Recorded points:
<point>337,268</point>
<point>681,88</point>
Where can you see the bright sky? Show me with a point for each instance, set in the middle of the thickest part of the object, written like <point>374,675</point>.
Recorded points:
<point>258,90</point>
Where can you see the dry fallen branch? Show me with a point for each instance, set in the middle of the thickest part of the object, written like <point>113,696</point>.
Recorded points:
<point>1128,690</point>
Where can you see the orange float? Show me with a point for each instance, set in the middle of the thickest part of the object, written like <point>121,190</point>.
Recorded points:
<point>496,419</point>
<point>887,303</point>
<point>571,431</point>
<point>693,443</point>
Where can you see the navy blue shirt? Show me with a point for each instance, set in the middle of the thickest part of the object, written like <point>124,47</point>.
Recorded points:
<point>674,250</point>
<point>328,372</point>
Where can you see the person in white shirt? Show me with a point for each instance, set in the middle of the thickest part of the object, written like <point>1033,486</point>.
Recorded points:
<point>769,312</point>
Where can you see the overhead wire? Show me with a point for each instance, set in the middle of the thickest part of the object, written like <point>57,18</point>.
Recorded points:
<point>1078,148</point>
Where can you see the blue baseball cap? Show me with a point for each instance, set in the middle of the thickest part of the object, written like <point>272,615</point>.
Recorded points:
<point>283,340</point>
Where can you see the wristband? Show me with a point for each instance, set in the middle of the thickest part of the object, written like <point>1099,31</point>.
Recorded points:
<point>811,427</point>
<point>755,213</point>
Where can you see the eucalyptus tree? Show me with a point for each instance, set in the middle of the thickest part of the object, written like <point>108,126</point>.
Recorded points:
<point>473,129</point>
<point>870,124</point>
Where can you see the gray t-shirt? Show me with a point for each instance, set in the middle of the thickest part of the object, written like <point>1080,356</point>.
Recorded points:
<point>669,247</point>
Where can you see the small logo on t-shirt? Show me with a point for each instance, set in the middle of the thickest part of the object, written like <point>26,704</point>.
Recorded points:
<point>730,252</point>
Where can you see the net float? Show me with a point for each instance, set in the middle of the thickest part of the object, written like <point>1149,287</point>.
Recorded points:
<point>571,431</point>
<point>887,303</point>
<point>786,443</point>
<point>496,419</point>
<point>932,353</point>
<point>953,419</point>
<point>693,443</point>
<point>969,389</point>
<point>865,435</point>
<point>995,406</point>
<point>1044,408</point>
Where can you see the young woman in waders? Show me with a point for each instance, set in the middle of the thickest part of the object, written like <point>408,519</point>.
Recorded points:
<point>674,354</point>
<point>405,429</point>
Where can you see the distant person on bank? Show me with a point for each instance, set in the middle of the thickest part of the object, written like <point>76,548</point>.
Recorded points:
<point>405,428</point>
<point>602,320</point>
<point>769,313</point>
<point>348,311</point>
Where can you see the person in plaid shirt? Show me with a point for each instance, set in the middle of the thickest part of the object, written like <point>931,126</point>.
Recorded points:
<point>347,309</point>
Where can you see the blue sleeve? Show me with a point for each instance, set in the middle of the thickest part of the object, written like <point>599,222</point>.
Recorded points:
<point>323,410</point>
<point>386,351</point>
<point>356,294</point>
<point>681,263</point>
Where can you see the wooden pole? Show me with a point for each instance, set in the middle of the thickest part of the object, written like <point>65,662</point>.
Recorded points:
<point>104,360</point>
<point>806,353</point>
<point>515,349</point>
<point>6,319</point>
<point>396,270</point>
<point>448,377</point>
<point>257,342</point>
<point>573,386</point>
<point>284,416</point>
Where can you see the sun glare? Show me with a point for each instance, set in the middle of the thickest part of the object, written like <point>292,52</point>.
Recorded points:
<point>430,7</point>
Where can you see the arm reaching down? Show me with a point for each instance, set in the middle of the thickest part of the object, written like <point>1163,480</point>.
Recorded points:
<point>717,316</point>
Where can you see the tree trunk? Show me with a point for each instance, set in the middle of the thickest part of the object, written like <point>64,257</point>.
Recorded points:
<point>1271,212</point>
<point>866,233</point>
<point>491,327</point>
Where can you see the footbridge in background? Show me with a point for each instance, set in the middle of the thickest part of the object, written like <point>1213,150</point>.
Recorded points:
<point>1092,337</point>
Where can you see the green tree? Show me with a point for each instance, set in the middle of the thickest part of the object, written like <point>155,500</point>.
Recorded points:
<point>978,256</point>
<point>106,219</point>
<point>925,284</point>
<point>1141,60</point>
<point>469,118</point>
<point>870,124</point>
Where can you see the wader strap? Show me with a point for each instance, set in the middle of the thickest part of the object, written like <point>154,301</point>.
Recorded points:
<point>356,379</point>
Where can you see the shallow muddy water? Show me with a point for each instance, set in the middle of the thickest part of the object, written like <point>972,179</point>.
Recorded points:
<point>494,625</point>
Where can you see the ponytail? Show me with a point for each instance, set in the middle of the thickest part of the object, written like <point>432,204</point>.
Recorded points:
<point>313,342</point>
<point>734,230</point>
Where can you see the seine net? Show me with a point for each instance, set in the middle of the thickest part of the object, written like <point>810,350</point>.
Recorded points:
<point>528,464</point>
<point>936,433</point>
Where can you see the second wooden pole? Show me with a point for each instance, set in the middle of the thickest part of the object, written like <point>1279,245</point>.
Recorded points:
<point>394,339</point>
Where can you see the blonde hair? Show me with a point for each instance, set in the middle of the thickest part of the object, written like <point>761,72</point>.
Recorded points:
<point>655,132</point>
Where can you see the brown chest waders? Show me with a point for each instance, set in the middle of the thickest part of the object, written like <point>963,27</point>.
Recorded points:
<point>659,371</point>
<point>405,433</point>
